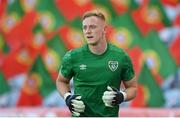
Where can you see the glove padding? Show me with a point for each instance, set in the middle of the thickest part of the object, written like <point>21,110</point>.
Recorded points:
<point>112,97</point>
<point>75,104</point>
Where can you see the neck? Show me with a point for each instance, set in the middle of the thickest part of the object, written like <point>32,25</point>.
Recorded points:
<point>99,48</point>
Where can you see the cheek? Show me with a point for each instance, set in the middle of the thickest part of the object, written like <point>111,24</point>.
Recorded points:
<point>98,31</point>
<point>84,33</point>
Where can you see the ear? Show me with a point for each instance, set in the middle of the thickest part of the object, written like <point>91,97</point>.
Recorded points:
<point>105,28</point>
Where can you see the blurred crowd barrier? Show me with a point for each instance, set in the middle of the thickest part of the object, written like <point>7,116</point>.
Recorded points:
<point>35,34</point>
<point>64,112</point>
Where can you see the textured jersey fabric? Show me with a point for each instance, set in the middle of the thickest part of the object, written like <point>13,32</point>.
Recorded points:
<point>93,73</point>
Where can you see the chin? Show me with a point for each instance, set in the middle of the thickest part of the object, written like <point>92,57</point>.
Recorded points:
<point>92,43</point>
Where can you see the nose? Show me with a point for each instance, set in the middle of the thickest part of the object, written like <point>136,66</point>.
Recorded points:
<point>88,30</point>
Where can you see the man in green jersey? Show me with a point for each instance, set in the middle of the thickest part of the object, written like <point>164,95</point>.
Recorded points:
<point>97,69</point>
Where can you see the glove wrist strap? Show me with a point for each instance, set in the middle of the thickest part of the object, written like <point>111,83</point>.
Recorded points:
<point>66,95</point>
<point>124,94</point>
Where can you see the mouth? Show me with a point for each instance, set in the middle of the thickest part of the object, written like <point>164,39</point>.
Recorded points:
<point>89,37</point>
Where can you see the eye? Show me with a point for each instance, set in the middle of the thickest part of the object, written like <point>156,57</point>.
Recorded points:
<point>84,27</point>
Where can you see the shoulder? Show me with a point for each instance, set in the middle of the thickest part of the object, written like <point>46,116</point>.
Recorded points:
<point>117,50</point>
<point>77,51</point>
<point>120,53</point>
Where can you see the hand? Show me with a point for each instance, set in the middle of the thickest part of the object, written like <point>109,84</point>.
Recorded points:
<point>75,104</point>
<point>113,97</point>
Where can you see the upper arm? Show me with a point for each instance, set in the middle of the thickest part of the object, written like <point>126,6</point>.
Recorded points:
<point>61,78</point>
<point>127,69</point>
<point>130,83</point>
<point>66,69</point>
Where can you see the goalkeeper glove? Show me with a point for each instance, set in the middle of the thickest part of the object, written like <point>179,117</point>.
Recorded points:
<point>74,103</point>
<point>113,96</point>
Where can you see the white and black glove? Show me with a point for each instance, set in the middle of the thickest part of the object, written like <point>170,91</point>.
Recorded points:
<point>113,97</point>
<point>75,103</point>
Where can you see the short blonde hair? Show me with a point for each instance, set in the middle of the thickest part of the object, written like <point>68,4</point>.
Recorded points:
<point>95,13</point>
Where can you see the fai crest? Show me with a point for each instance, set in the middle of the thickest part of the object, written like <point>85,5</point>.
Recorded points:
<point>113,65</point>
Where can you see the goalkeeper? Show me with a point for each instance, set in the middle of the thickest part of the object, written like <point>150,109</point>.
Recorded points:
<point>97,69</point>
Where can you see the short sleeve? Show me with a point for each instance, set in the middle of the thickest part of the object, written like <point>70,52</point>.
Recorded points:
<point>127,70</point>
<point>66,66</point>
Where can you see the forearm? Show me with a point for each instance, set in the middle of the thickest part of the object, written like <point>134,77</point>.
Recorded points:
<point>74,102</point>
<point>62,87</point>
<point>130,88</point>
<point>130,93</point>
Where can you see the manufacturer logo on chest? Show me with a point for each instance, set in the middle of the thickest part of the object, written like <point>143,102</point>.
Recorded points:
<point>113,65</point>
<point>82,67</point>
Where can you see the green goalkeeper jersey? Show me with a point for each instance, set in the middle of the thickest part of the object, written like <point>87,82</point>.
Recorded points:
<point>93,73</point>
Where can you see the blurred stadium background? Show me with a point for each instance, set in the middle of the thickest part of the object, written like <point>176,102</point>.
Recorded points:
<point>35,34</point>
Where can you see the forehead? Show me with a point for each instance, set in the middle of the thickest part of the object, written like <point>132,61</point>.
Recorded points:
<point>92,20</point>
